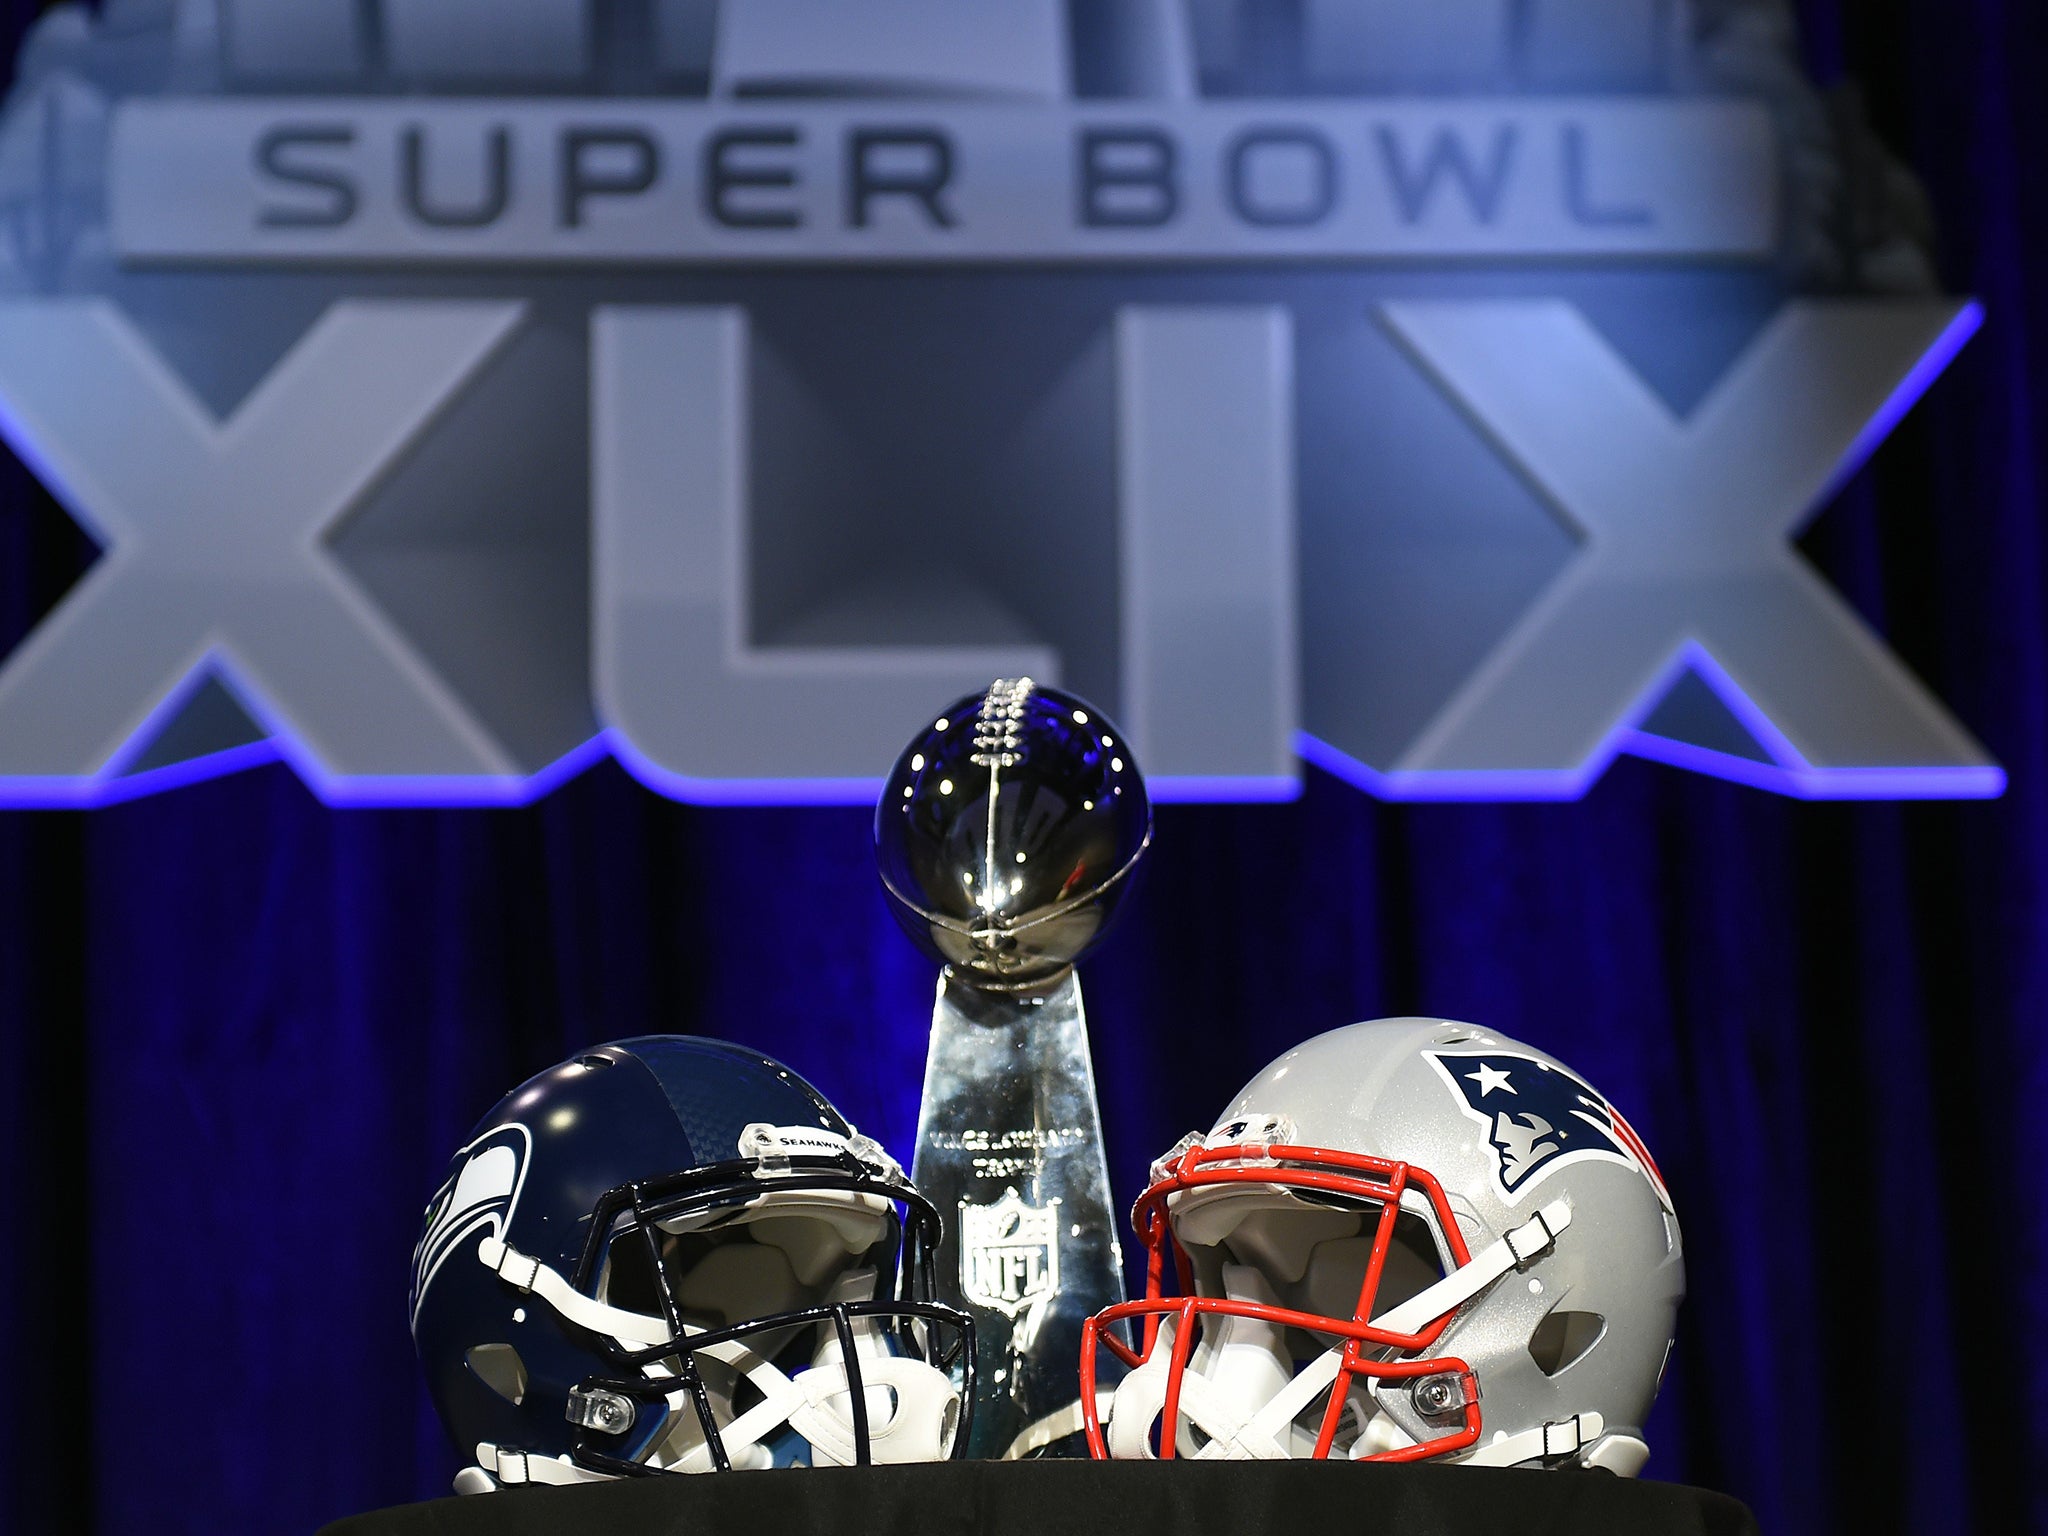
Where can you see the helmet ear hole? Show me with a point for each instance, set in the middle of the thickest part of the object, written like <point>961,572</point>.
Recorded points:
<point>499,1367</point>
<point>1564,1338</point>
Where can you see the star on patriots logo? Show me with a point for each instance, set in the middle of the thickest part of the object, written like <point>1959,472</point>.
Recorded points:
<point>1490,1078</point>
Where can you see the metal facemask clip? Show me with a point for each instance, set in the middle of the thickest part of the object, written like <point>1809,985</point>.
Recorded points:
<point>763,1145</point>
<point>609,1413</point>
<point>1164,1165</point>
<point>1438,1397</point>
<point>874,1155</point>
<point>1254,1137</point>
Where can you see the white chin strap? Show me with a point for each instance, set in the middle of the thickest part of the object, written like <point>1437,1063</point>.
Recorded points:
<point>1243,1361</point>
<point>913,1413</point>
<point>499,1466</point>
<point>1559,1438</point>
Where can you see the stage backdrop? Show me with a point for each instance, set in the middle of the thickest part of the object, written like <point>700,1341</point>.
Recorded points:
<point>462,390</point>
<point>243,1032</point>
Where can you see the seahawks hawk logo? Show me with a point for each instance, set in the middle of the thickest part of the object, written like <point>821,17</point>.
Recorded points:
<point>481,1191</point>
<point>1539,1118</point>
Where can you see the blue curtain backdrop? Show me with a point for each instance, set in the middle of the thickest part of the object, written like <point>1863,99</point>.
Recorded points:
<point>239,1033</point>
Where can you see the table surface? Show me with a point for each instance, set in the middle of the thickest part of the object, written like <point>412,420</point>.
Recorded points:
<point>1054,1498</point>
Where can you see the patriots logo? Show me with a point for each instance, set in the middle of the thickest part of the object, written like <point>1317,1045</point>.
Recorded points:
<point>1539,1118</point>
<point>481,1191</point>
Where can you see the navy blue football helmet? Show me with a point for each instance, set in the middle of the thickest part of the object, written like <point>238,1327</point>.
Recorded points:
<point>673,1254</point>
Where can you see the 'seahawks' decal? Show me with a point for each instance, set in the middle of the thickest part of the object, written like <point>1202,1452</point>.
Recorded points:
<point>483,1187</point>
<point>1539,1118</point>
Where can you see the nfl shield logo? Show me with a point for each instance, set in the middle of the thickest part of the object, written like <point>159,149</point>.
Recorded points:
<point>1009,1253</point>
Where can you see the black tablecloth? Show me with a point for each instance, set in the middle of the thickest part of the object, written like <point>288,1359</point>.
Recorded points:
<point>1080,1498</point>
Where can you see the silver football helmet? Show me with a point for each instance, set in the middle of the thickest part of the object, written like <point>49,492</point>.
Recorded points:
<point>1404,1240</point>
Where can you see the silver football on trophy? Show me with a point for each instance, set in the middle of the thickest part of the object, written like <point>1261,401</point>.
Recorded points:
<point>1008,831</point>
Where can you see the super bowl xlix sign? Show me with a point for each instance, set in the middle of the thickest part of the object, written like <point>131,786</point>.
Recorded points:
<point>457,392</point>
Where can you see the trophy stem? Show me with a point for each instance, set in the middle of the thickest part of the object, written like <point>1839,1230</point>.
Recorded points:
<point>1009,1148</point>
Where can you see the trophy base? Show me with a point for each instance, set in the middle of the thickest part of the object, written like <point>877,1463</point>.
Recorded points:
<point>1009,1148</point>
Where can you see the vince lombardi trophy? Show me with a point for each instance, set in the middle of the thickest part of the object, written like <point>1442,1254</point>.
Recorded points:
<point>1007,833</point>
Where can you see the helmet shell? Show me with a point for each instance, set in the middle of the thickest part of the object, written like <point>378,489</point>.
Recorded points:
<point>532,1173</point>
<point>1506,1129</point>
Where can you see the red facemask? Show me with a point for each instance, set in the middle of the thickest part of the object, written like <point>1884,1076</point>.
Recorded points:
<point>1390,1350</point>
